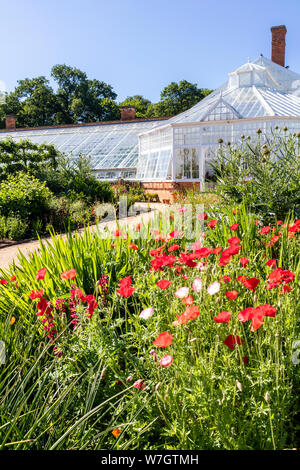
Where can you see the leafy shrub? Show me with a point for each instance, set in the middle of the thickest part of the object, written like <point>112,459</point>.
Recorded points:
<point>25,196</point>
<point>75,179</point>
<point>16,228</point>
<point>265,174</point>
<point>3,228</point>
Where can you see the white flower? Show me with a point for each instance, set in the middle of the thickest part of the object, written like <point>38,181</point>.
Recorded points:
<point>197,284</point>
<point>213,288</point>
<point>202,266</point>
<point>147,313</point>
<point>182,292</point>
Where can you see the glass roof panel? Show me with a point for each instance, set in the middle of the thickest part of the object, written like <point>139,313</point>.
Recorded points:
<point>109,145</point>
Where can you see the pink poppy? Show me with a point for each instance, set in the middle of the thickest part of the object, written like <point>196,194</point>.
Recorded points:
<point>166,360</point>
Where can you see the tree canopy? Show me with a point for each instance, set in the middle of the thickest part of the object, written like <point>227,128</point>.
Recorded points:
<point>78,99</point>
<point>178,97</point>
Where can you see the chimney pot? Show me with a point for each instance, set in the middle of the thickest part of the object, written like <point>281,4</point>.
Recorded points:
<point>127,113</point>
<point>10,122</point>
<point>278,44</point>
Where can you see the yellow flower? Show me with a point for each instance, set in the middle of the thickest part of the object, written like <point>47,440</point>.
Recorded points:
<point>13,320</point>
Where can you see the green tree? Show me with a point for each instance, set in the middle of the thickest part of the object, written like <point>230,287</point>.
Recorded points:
<point>178,97</point>
<point>143,106</point>
<point>33,102</point>
<point>82,100</point>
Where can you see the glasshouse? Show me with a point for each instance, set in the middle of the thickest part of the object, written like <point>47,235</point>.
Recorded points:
<point>112,147</point>
<point>259,94</point>
<point>169,153</point>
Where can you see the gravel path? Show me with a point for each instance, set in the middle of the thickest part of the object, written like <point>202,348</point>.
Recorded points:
<point>147,210</point>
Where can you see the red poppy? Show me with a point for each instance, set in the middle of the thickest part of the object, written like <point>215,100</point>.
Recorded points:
<point>222,317</point>
<point>118,233</point>
<point>231,341</point>
<point>36,295</point>
<point>251,283</point>
<point>226,279</point>
<point>126,291</point>
<point>132,246</point>
<point>125,282</point>
<point>217,251</point>
<point>190,313</point>
<point>212,223</point>
<point>188,300</point>
<point>244,262</point>
<point>265,230</point>
<point>245,359</point>
<point>232,294</point>
<point>246,314</point>
<point>41,274</point>
<point>233,241</point>
<point>279,222</point>
<point>163,340</point>
<point>139,384</point>
<point>3,282</point>
<point>271,263</point>
<point>70,274</point>
<point>13,278</point>
<point>163,284</point>
<point>138,226</point>
<point>202,252</point>
<point>202,216</point>
<point>173,248</point>
<point>235,211</point>
<point>234,227</point>
<point>224,260</point>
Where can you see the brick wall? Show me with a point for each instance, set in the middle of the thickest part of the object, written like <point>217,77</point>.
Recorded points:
<point>10,122</point>
<point>127,113</point>
<point>165,189</point>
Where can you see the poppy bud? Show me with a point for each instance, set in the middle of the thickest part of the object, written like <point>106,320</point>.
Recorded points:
<point>220,141</point>
<point>258,131</point>
<point>267,397</point>
<point>239,386</point>
<point>284,129</point>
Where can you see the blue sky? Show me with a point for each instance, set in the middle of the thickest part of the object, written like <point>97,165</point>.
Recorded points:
<point>140,46</point>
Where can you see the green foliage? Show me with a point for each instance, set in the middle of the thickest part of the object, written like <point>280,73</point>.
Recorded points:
<point>75,179</point>
<point>25,156</point>
<point>143,106</point>
<point>33,102</point>
<point>3,228</point>
<point>23,195</point>
<point>178,97</point>
<point>265,174</point>
<point>77,99</point>
<point>80,99</point>
<point>16,228</point>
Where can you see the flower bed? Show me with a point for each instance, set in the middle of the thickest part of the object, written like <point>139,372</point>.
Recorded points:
<point>150,340</point>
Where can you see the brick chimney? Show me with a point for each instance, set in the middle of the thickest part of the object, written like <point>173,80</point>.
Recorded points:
<point>278,44</point>
<point>10,122</point>
<point>127,113</point>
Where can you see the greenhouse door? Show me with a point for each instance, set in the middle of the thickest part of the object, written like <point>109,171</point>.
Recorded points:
<point>187,163</point>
